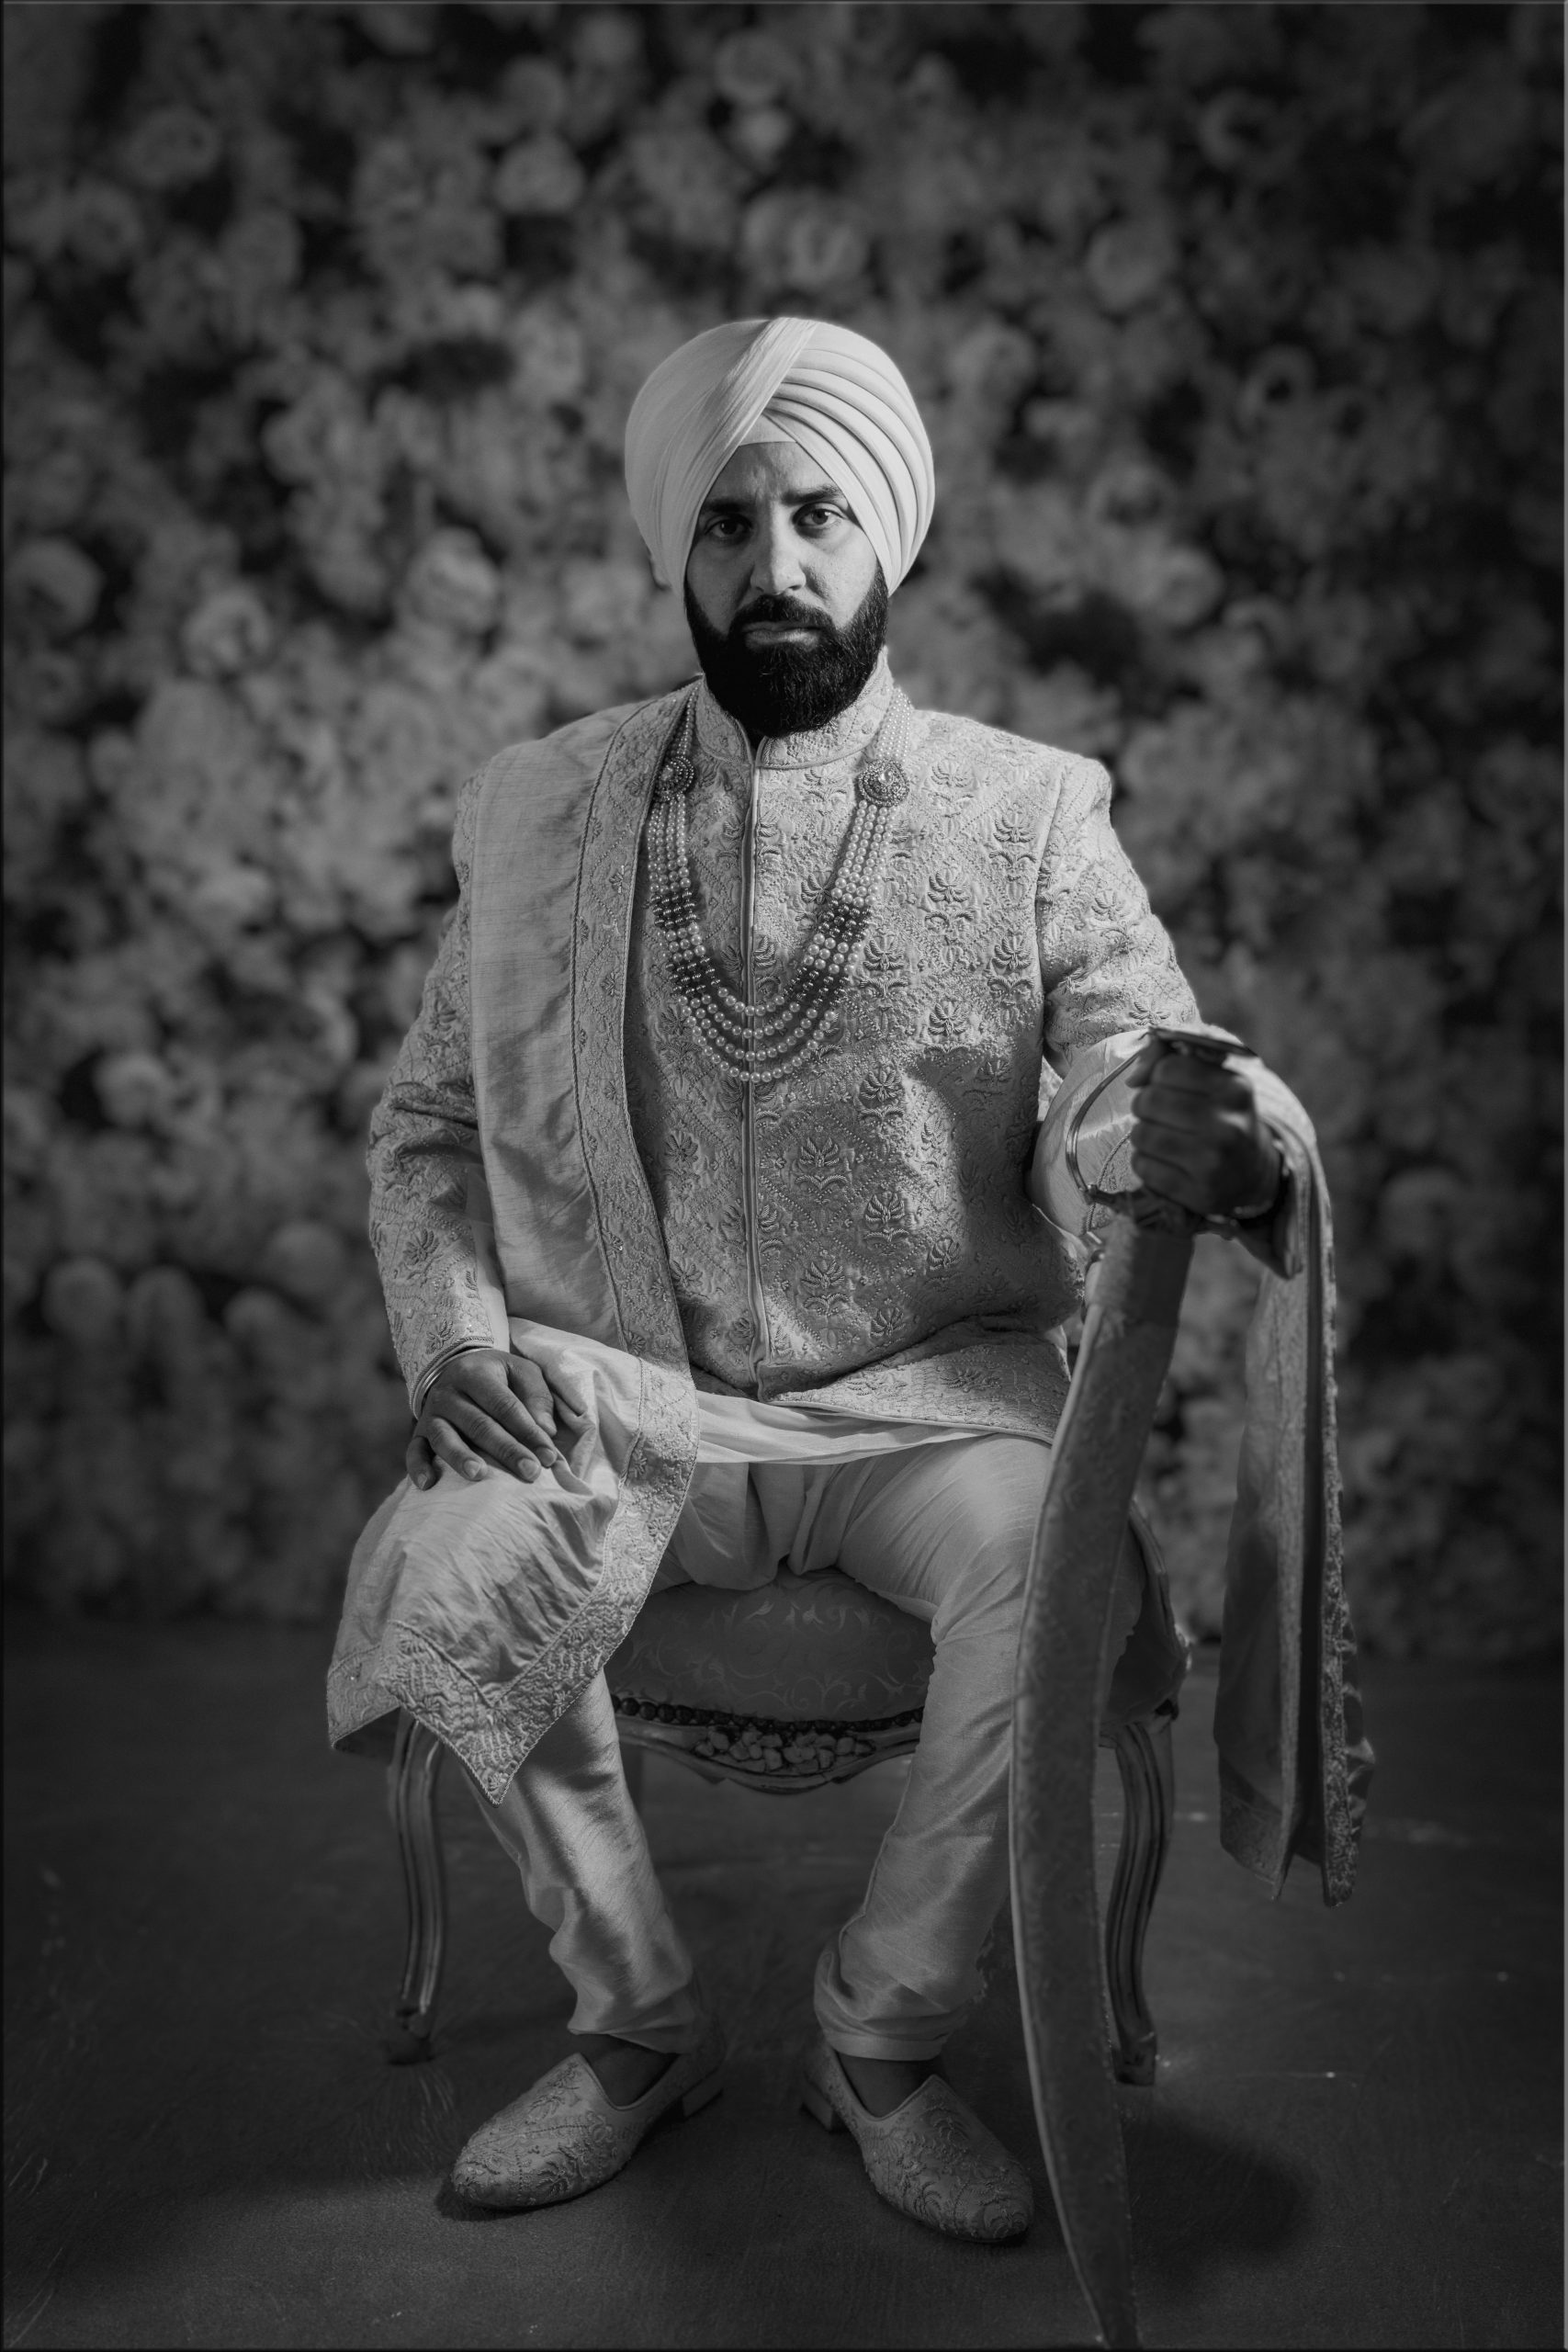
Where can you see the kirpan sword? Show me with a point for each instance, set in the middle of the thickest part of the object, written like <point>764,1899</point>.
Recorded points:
<point>1063,1674</point>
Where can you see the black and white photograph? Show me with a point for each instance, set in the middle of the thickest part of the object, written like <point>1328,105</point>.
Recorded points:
<point>782,1175</point>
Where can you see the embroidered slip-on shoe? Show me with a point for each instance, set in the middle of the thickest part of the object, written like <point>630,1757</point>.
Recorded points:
<point>565,2137</point>
<point>931,2157</point>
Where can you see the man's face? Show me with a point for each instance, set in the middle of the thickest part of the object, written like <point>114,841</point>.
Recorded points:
<point>784,595</point>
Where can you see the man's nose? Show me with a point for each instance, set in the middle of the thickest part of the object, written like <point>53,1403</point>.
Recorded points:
<point>776,568</point>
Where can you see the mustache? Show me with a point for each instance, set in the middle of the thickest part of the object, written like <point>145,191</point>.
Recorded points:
<point>779,612</point>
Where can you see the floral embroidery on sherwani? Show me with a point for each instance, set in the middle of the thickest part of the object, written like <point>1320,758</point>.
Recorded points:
<point>425,1151</point>
<point>889,1216</point>
<point>553,1156</point>
<point>551,1146</point>
<point>889,1213</point>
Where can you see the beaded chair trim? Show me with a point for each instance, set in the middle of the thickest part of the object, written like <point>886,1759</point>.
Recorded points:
<point>801,1745</point>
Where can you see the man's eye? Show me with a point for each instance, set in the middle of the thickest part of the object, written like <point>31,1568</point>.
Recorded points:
<point>818,517</point>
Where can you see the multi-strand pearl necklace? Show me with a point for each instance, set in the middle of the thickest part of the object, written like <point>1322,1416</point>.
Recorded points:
<point>769,1039</point>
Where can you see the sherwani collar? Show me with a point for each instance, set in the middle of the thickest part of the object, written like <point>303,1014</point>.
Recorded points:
<point>723,737</point>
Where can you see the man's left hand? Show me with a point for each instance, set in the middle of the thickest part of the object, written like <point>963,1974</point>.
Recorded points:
<point>1197,1138</point>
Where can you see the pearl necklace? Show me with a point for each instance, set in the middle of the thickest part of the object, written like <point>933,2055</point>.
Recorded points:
<point>769,1039</point>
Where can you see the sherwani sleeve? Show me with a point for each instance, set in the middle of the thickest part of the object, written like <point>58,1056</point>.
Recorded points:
<point>1109,965</point>
<point>1105,957</point>
<point>424,1160</point>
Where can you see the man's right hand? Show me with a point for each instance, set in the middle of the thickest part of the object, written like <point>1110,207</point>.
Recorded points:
<point>486,1410</point>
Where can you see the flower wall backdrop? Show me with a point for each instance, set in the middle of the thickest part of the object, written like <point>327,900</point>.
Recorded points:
<point>1238,332</point>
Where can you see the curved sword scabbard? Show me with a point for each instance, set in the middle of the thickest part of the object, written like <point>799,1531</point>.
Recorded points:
<point>1062,1675</point>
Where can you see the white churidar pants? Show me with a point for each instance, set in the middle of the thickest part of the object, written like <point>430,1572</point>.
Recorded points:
<point>944,1530</point>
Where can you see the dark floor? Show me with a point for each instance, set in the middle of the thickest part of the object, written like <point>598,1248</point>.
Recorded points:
<point>1355,2140</point>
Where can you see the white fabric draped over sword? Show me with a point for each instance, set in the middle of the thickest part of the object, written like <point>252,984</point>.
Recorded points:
<point>1295,1763</point>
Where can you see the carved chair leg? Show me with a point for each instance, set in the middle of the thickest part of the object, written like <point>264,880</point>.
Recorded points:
<point>411,1798</point>
<point>1148,1789</point>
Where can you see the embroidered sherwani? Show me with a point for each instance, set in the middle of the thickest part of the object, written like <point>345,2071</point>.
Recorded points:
<point>858,1233</point>
<point>555,1164</point>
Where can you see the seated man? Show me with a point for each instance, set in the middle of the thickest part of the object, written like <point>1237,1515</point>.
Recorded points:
<point>699,1201</point>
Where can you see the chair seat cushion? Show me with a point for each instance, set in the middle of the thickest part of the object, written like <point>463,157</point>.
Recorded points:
<point>800,1682</point>
<point>803,1648</point>
<point>706,1672</point>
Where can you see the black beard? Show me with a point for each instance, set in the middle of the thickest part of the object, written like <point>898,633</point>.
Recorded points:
<point>790,689</point>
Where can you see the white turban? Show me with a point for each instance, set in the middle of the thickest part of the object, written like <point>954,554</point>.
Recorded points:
<point>828,391</point>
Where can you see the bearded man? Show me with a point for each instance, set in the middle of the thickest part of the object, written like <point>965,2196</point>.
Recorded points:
<point>699,1198</point>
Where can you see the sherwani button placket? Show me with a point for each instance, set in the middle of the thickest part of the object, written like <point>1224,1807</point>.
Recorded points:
<point>760,1352</point>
